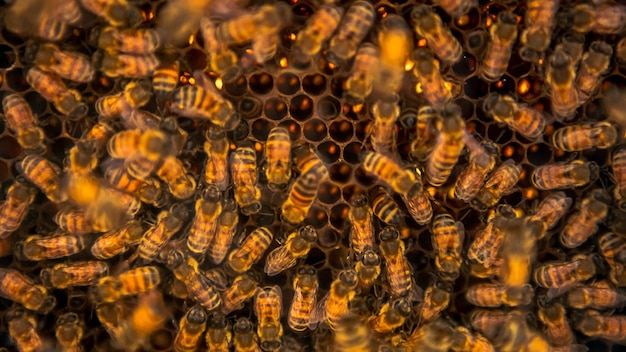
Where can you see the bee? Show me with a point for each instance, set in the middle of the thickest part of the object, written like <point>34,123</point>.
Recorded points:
<point>382,130</point>
<point>297,245</point>
<point>244,174</point>
<point>250,251</point>
<point>488,322</point>
<point>20,288</point>
<point>564,175</point>
<point>455,8</point>
<point>385,208</point>
<point>396,44</point>
<point>199,287</point>
<point>69,332</point>
<point>244,28</point>
<point>151,148</point>
<point>448,237</point>
<point>14,209</point>
<point>51,87</point>
<point>117,13</point>
<point>426,131</point>
<point>562,276</point>
<point>391,315</point>
<point>389,171</point>
<point>560,79</point>
<point>242,289</point>
<point>305,286</point>
<point>487,242</point>
<point>572,43</point>
<point>226,227</point>
<point>98,136</point>
<point>552,208</point>
<point>418,205</point>
<point>618,164</point>
<point>268,309</point>
<point>397,267</point>
<point>197,102</point>
<point>361,218</point>
<point>499,49</point>
<point>520,118</point>
<point>157,236</point>
<point>335,305</point>
<point>218,335</point>
<point>428,74</point>
<point>434,337</point>
<point>448,146</point>
<point>465,341</point>
<point>278,151</point>
<point>518,251</point>
<point>600,135</point>
<point>135,95</point>
<point>74,221</point>
<point>495,295</point>
<point>436,300</point>
<point>438,36</point>
<point>318,29</point>
<point>245,340</point>
<point>304,190</point>
<point>613,249</point>
<point>204,225</point>
<point>190,329</point>
<point>354,26</point>
<point>20,119</point>
<point>37,247</point>
<point>124,143</point>
<point>131,282</point>
<point>609,327</point>
<point>358,86</point>
<point>595,62</point>
<point>475,174</point>
<point>74,274</point>
<point>172,172</point>
<point>368,269</point>
<point>48,21</point>
<point>352,334</point>
<point>222,60</point>
<point>147,190</point>
<point>23,331</point>
<point>65,64</point>
<point>500,183</point>
<point>165,80</point>
<point>536,36</point>
<point>584,223</point>
<point>148,316</point>
<point>128,41</point>
<point>264,47</point>
<point>603,18</point>
<point>557,327</point>
<point>598,295</point>
<point>125,65</point>
<point>216,147</point>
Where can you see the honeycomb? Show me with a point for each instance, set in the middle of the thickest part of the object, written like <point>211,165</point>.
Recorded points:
<point>310,104</point>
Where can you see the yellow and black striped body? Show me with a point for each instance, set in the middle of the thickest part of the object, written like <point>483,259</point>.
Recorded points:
<point>418,204</point>
<point>598,295</point>
<point>225,232</point>
<point>15,207</point>
<point>359,84</point>
<point>600,135</point>
<point>305,286</point>
<point>98,136</point>
<point>503,34</point>
<point>318,29</point>
<point>83,273</point>
<point>448,146</point>
<point>391,315</point>
<point>245,339</point>
<point>342,291</point>
<point>124,144</point>
<point>385,168</point>
<point>474,176</point>
<point>297,245</point>
<point>117,13</point>
<point>552,208</point>
<point>199,103</point>
<point>139,280</point>
<point>455,8</point>
<point>438,37</point>
<point>560,79</point>
<point>242,288</point>
<point>66,101</point>
<point>613,249</point>
<point>557,327</point>
<point>250,251</point>
<point>368,269</point>
<point>382,130</point>
<point>428,74</point>
<point>244,179</point>
<point>190,330</point>
<point>278,154</point>
<point>165,80</point>
<point>130,41</point>
<point>150,151</point>
<point>268,308</point>
<point>448,236</point>
<point>127,65</point>
<point>385,208</point>
<point>204,225</point>
<point>172,172</point>
<point>500,183</point>
<point>361,218</point>
<point>563,176</point>
<point>238,30</point>
<point>354,26</point>
<point>43,174</point>
<point>304,190</point>
<point>618,164</point>
<point>565,274</point>
<point>397,267</point>
<point>74,221</point>
<point>153,240</point>
<point>36,247</point>
<point>609,327</point>
<point>65,64</point>
<point>217,147</point>
<point>23,331</point>
<point>21,120</point>
<point>17,287</point>
<point>487,242</point>
<point>122,104</point>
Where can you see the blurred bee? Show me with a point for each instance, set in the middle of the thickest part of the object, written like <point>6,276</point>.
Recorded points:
<point>419,205</point>
<point>397,269</point>
<point>475,174</point>
<point>235,295</point>
<point>250,251</point>
<point>66,101</point>
<point>358,86</point>
<point>389,171</point>
<point>448,146</point>
<point>352,335</point>
<point>355,25</point>
<point>304,190</point>
<point>455,8</point>
<point>607,18</point>
<point>426,131</point>
<point>361,219</point>
<point>584,223</point>
<point>20,119</point>
<point>486,245</point>
<point>494,295</point>
<point>297,245</point>
<point>391,315</point>
<point>65,64</point>
<point>564,175</point>
<point>488,322</point>
<point>37,247</point>
<point>597,295</point>
<point>428,74</point>
<point>199,287</point>
<point>498,53</point>
<point>268,309</point>
<point>600,135</point>
<point>561,276</point>
<point>520,118</point>
<point>165,80</point>
<point>303,304</point>
<point>335,305</point>
<point>613,248</point>
<point>518,251</point>
<point>135,95</point>
<point>595,62</point>
<point>499,184</point>
<point>552,208</point>
<point>14,209</point>
<point>204,225</point>
<point>264,47</point>
<point>131,282</point>
<point>217,148</point>
<point>560,79</point>
<point>226,227</point>
<point>557,328</point>
<point>434,337</point>
<point>267,19</point>
<point>147,190</point>
<point>465,341</point>
<point>172,172</point>
<point>190,329</point>
<point>436,300</point>
<point>178,20</point>
<point>23,331</point>
<point>448,237</point>
<point>245,340</point>
<point>222,60</point>
<point>74,221</point>
<point>218,334</point>
<point>20,288</point>
<point>368,269</point>
<point>318,29</point>
<point>382,130</point>
<point>535,38</point>
<point>125,65</point>
<point>69,332</point>
<point>157,236</point>
<point>438,36</point>
<point>83,273</point>
<point>396,44</point>
<point>148,316</point>
<point>618,164</point>
<point>47,20</point>
<point>572,43</point>
<point>98,136</point>
<point>117,13</point>
<point>197,102</point>
<point>129,41</point>
<point>244,174</point>
<point>278,152</point>
<point>609,327</point>
<point>150,149</point>
<point>385,208</point>
<point>515,335</point>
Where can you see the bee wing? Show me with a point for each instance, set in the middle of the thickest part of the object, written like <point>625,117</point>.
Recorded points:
<point>556,292</point>
<point>278,260</point>
<point>319,313</point>
<point>461,229</point>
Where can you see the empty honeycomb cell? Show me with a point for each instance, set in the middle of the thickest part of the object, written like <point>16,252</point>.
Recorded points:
<point>4,171</point>
<point>162,340</point>
<point>539,154</point>
<point>467,108</point>
<point>261,83</point>
<point>328,108</point>
<point>301,107</point>
<point>16,80</point>
<point>336,87</point>
<point>340,172</point>
<point>361,130</point>
<point>466,66</point>
<point>275,108</point>
<point>338,258</point>
<point>327,238</point>
<point>288,83</point>
<point>249,107</point>
<point>237,87</point>
<point>314,84</point>
<point>7,56</point>
<point>36,102</point>
<point>513,151</point>
<point>60,145</point>
<point>302,10</point>
<point>339,215</point>
<point>518,67</point>
<point>499,134</point>
<point>52,126</point>
<point>475,88</point>
<point>9,148</point>
<point>341,131</point>
<point>329,193</point>
<point>329,152</point>
<point>315,258</point>
<point>293,128</point>
<point>363,178</point>
<point>260,129</point>
<point>351,152</point>
<point>596,110</point>
<point>504,85</point>
<point>315,130</point>
<point>317,217</point>
<point>196,59</point>
<point>2,126</point>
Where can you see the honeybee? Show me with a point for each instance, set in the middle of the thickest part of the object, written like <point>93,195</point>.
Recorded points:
<point>147,190</point>
<point>448,237</point>
<point>69,332</point>
<point>557,327</point>
<point>151,149</point>
<point>66,101</point>
<point>389,171</point>
<point>359,84</point>
<point>440,40</point>
<point>129,41</point>
<point>597,295</point>
<point>65,64</point>
<point>37,247</point>
<point>613,248</point>
<point>600,135</point>
<point>21,120</point>
<point>495,295</point>
<point>609,327</point>
<point>488,322</point>
<point>465,341</point>
<point>222,60</point>
<point>199,287</point>
<point>382,130</point>
<point>124,143</point>
<point>242,289</point>
<point>572,44</point>
<point>117,241</point>
<point>352,335</point>
<point>426,131</point>
<point>385,208</point>
<point>536,36</point>
<point>135,95</point>
<point>245,340</point>
<point>226,227</point>
<point>486,245</point>
<point>368,269</point>
<point>391,315</point>
<point>172,172</point>
<point>204,225</point>
<point>552,208</point>
<point>602,18</point>
<point>317,30</point>
<point>23,331</point>
<point>499,49</point>
<point>14,209</point>
<point>305,290</point>
<point>98,136</point>
<point>433,337</point>
<point>561,276</point>
<point>564,175</point>
<point>165,80</point>
<point>218,335</point>
<point>190,329</point>
<point>264,47</point>
<point>396,44</point>
<point>520,118</point>
<point>250,251</point>
<point>618,164</point>
<point>475,174</point>
<point>244,174</point>
<point>448,146</point>
<point>436,300</point>
<point>304,190</point>
<point>428,74</point>
<point>355,25</point>
<point>48,20</point>
<point>455,8</point>
<point>125,65</point>
<point>518,251</point>
<point>111,315</point>
<point>595,62</point>
<point>20,288</point>
<point>131,282</point>
<point>297,245</point>
<point>361,219</point>
<point>560,79</point>
<point>118,13</point>
<point>74,274</point>
<point>278,152</point>
<point>500,183</point>
<point>584,223</point>
<point>335,305</point>
<point>157,236</point>
<point>418,205</point>
<point>268,309</point>
<point>148,316</point>
<point>397,267</point>
<point>197,102</point>
<point>74,221</point>
<point>266,19</point>
<point>217,148</point>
